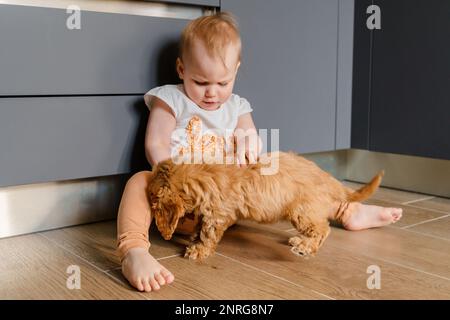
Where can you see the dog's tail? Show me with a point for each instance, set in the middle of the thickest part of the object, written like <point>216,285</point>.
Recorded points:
<point>367,190</point>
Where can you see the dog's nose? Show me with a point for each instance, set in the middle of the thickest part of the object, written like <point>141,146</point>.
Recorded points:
<point>167,236</point>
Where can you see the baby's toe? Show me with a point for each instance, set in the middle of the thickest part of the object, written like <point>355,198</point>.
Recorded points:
<point>146,285</point>
<point>154,284</point>
<point>167,275</point>
<point>138,284</point>
<point>160,279</point>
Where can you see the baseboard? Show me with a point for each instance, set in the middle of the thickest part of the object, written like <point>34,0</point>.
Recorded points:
<point>333,162</point>
<point>416,174</point>
<point>45,206</point>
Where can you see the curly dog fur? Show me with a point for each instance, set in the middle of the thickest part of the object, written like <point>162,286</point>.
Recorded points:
<point>220,194</point>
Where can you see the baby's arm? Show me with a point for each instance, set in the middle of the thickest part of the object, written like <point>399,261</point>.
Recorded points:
<point>161,124</point>
<point>248,141</point>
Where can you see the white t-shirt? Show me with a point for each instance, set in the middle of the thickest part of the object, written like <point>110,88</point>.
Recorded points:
<point>197,129</point>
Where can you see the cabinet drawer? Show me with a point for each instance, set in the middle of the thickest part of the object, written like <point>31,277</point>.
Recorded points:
<point>210,3</point>
<point>60,138</point>
<point>111,53</point>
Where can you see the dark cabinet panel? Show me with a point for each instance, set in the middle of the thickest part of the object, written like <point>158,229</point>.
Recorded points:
<point>362,64</point>
<point>401,83</point>
<point>61,138</point>
<point>289,66</point>
<point>344,74</point>
<point>110,54</point>
<point>410,111</point>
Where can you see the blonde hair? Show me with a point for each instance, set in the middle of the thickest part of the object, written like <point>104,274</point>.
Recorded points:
<point>216,31</point>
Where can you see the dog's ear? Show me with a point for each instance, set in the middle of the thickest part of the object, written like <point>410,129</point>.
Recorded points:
<point>166,205</point>
<point>167,209</point>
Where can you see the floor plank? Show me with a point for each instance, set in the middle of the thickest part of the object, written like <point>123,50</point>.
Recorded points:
<point>222,278</point>
<point>439,204</point>
<point>438,228</point>
<point>337,271</point>
<point>33,267</point>
<point>97,243</point>
<point>413,250</point>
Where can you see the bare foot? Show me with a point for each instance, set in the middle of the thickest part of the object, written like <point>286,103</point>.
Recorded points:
<point>144,272</point>
<point>368,216</point>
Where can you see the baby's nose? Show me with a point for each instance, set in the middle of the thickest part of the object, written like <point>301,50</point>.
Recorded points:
<point>210,92</point>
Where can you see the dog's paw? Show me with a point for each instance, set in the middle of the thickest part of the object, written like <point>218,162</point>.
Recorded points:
<point>197,251</point>
<point>191,252</point>
<point>302,247</point>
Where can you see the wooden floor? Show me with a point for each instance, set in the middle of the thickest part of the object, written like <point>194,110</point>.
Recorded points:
<point>252,262</point>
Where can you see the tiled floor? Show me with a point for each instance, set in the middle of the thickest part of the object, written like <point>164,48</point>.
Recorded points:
<point>252,262</point>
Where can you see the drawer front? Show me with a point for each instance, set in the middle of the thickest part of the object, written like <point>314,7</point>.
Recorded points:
<point>110,54</point>
<point>209,3</point>
<point>61,138</point>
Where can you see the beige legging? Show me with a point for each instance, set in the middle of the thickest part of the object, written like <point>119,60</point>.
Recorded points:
<point>134,217</point>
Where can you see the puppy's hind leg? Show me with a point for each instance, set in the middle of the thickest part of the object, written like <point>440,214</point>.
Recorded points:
<point>312,228</point>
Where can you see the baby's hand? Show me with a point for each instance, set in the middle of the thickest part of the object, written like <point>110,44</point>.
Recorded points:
<point>247,151</point>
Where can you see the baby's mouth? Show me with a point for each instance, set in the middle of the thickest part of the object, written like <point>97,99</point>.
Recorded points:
<point>211,105</point>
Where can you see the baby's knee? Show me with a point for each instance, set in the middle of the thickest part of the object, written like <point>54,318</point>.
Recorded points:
<point>139,180</point>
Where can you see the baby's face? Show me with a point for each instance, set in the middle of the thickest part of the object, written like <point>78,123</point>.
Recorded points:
<point>206,80</point>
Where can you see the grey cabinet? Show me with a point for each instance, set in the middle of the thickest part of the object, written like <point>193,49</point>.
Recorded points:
<point>110,54</point>
<point>62,138</point>
<point>71,101</point>
<point>295,72</point>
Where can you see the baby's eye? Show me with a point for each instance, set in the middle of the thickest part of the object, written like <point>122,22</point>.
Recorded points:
<point>200,83</point>
<point>223,84</point>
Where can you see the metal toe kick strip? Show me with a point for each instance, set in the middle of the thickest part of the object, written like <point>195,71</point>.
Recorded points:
<point>409,173</point>
<point>133,7</point>
<point>44,206</point>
